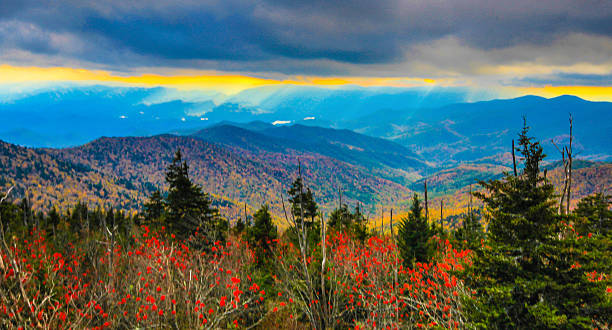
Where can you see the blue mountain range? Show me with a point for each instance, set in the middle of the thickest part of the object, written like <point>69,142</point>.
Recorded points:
<point>436,124</point>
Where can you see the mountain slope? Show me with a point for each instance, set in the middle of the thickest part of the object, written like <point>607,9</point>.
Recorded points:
<point>471,131</point>
<point>345,145</point>
<point>123,171</point>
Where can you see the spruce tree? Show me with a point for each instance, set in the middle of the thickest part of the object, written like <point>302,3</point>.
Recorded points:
<point>341,219</point>
<point>189,209</point>
<point>594,214</point>
<point>79,216</point>
<point>525,274</point>
<point>261,234</point>
<point>154,208</point>
<point>413,235</point>
<point>240,227</point>
<point>53,219</point>
<point>470,233</point>
<point>304,210</point>
<point>302,202</point>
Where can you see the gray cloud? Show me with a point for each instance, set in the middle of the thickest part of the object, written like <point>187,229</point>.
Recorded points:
<point>294,36</point>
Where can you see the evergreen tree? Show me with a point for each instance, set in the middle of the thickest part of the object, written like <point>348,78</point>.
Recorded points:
<point>302,202</point>
<point>53,219</point>
<point>261,234</point>
<point>413,235</point>
<point>341,219</point>
<point>240,227</point>
<point>359,224</point>
<point>304,210</point>
<point>470,233</point>
<point>154,208</point>
<point>189,209</point>
<point>524,275</point>
<point>78,218</point>
<point>26,212</point>
<point>594,214</point>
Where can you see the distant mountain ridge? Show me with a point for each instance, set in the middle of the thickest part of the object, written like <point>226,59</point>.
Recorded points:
<point>34,118</point>
<point>471,131</point>
<point>435,125</point>
<point>345,145</point>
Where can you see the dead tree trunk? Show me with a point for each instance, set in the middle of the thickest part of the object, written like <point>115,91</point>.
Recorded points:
<point>382,222</point>
<point>323,295</point>
<point>565,177</point>
<point>513,159</point>
<point>470,202</point>
<point>570,161</point>
<point>441,213</point>
<point>426,204</point>
<point>567,160</point>
<point>391,222</point>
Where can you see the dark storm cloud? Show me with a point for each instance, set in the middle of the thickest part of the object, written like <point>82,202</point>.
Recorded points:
<point>168,33</point>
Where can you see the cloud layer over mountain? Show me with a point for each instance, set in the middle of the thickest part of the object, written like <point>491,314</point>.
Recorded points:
<point>551,40</point>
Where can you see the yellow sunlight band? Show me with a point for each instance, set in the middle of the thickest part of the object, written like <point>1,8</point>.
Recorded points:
<point>591,93</point>
<point>228,83</point>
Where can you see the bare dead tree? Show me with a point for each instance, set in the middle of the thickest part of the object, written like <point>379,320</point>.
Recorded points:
<point>391,221</point>
<point>470,202</point>
<point>315,315</point>
<point>323,261</point>
<point>570,161</point>
<point>442,213</point>
<point>395,280</point>
<point>567,161</point>
<point>426,203</point>
<point>382,222</point>
<point>513,159</point>
<point>2,201</point>
<point>565,178</point>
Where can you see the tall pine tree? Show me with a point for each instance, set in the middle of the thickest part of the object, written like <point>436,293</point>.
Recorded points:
<point>594,214</point>
<point>470,233</point>
<point>525,275</point>
<point>413,235</point>
<point>302,202</point>
<point>188,208</point>
<point>154,208</point>
<point>261,234</point>
<point>304,210</point>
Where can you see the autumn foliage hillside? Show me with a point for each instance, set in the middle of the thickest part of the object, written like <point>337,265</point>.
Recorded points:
<point>123,171</point>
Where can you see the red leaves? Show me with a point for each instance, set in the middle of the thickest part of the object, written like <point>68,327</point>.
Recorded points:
<point>158,267</point>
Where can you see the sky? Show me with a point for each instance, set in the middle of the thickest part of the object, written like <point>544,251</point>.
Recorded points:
<point>513,47</point>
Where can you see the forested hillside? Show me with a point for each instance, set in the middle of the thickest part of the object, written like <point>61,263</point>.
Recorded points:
<point>123,171</point>
<point>248,167</point>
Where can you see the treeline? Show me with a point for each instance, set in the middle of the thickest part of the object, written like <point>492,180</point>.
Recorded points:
<point>521,262</point>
